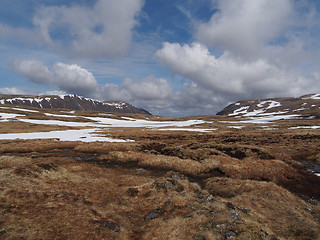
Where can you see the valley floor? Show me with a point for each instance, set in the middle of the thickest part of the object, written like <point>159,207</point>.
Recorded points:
<point>208,177</point>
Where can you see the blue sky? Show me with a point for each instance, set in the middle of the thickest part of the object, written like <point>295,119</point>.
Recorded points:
<point>171,57</point>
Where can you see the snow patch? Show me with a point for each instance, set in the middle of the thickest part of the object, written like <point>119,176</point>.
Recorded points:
<point>305,127</point>
<point>188,129</point>
<point>315,96</point>
<point>240,111</point>
<point>20,109</point>
<point>84,135</point>
<point>59,115</point>
<point>271,103</point>
<point>236,127</point>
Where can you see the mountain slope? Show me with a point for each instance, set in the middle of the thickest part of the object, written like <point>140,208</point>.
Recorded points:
<point>73,102</point>
<point>305,105</point>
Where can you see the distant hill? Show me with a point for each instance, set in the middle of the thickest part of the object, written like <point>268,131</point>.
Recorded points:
<point>306,105</point>
<point>73,102</point>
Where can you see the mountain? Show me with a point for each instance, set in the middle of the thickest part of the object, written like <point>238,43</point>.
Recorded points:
<point>73,102</point>
<point>304,105</point>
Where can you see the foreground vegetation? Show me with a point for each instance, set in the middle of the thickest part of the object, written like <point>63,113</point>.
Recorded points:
<point>228,184</point>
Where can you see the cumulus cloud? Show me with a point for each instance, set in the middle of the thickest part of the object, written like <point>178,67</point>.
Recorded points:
<point>103,29</point>
<point>153,94</point>
<point>245,26</point>
<point>257,51</point>
<point>69,78</point>
<point>231,76</point>
<point>12,90</point>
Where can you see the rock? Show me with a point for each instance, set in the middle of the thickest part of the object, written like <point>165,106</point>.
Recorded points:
<point>153,214</point>
<point>168,184</point>
<point>175,177</point>
<point>220,226</point>
<point>230,234</point>
<point>132,192</point>
<point>234,215</point>
<point>108,224</point>
<point>210,198</point>
<point>48,166</point>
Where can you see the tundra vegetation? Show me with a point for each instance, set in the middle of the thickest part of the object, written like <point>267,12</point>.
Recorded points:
<point>220,177</point>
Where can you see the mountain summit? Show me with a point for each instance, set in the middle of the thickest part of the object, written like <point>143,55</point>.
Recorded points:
<point>73,102</point>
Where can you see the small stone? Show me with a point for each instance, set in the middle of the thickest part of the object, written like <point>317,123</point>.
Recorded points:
<point>108,224</point>
<point>230,234</point>
<point>168,184</point>
<point>153,214</point>
<point>220,226</point>
<point>234,215</point>
<point>210,198</point>
<point>141,170</point>
<point>175,177</point>
<point>33,156</point>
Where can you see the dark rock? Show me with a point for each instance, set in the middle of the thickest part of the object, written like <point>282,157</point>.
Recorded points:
<point>230,234</point>
<point>132,192</point>
<point>48,166</point>
<point>153,214</point>
<point>108,224</point>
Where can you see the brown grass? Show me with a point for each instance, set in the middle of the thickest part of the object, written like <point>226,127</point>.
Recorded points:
<point>167,185</point>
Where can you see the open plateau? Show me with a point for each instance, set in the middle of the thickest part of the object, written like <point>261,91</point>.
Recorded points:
<point>250,172</point>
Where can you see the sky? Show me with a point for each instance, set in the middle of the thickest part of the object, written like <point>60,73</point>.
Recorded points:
<point>171,57</point>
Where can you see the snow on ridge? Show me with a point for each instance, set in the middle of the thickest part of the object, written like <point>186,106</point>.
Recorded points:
<point>240,111</point>
<point>314,96</point>
<point>254,113</point>
<point>119,105</point>
<point>272,104</point>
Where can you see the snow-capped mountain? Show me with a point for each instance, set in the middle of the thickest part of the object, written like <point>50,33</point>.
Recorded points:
<point>73,102</point>
<point>304,105</point>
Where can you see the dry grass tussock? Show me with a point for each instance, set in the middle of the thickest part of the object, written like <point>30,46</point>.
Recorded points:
<point>243,184</point>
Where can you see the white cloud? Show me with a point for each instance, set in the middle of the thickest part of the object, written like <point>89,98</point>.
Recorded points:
<point>245,26</point>
<point>36,71</point>
<point>231,76</point>
<point>103,30</point>
<point>153,94</point>
<point>69,78</point>
<point>12,90</point>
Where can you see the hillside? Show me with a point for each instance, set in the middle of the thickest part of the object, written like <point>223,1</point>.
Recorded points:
<point>304,105</point>
<point>91,175</point>
<point>72,102</point>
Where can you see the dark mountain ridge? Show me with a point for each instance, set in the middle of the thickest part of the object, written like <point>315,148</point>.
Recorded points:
<point>72,102</point>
